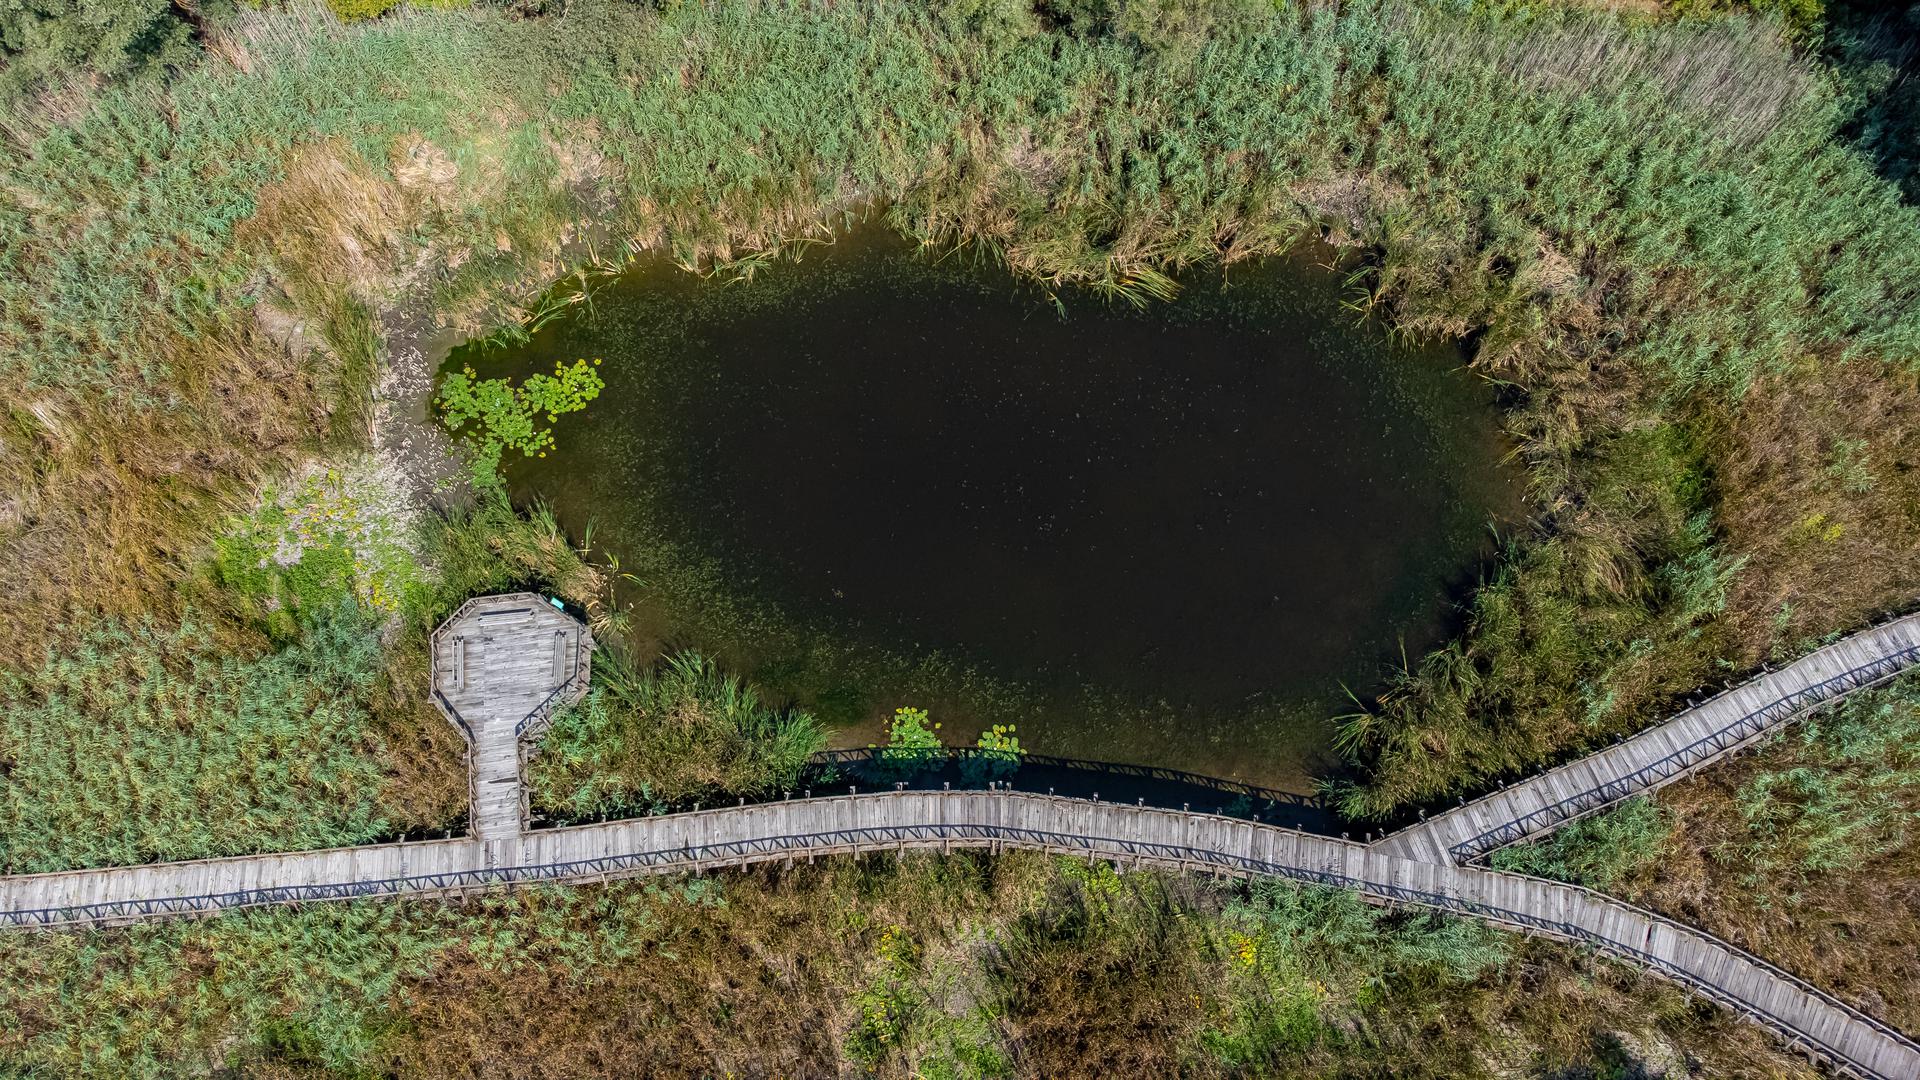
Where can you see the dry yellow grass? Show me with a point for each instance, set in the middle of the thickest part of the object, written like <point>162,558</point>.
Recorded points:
<point>1854,931</point>
<point>1819,481</point>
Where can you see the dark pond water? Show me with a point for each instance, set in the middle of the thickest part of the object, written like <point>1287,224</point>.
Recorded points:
<point>1171,535</point>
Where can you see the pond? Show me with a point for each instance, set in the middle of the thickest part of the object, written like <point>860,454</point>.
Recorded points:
<point>1172,534</point>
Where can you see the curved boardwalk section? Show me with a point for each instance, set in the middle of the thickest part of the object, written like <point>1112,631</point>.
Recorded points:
<point>1663,753</point>
<point>1811,1020</point>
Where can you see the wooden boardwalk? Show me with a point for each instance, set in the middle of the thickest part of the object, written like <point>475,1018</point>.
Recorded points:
<point>1815,1022</point>
<point>1664,753</point>
<point>502,665</point>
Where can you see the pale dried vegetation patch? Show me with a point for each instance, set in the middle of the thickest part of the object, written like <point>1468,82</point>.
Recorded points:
<point>332,224</point>
<point>1855,933</point>
<point>110,508</point>
<point>1819,480</point>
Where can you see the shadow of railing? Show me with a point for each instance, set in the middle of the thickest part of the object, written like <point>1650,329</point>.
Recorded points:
<point>1110,781</point>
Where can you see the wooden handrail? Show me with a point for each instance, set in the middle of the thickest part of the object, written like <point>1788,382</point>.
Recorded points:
<point>1643,763</point>
<point>885,821</point>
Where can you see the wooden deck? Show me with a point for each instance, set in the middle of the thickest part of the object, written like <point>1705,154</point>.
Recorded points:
<point>502,665</point>
<point>1810,1020</point>
<point>1662,754</point>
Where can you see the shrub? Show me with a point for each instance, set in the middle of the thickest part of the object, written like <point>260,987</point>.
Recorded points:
<point>666,736</point>
<point>43,40</point>
<point>333,532</point>
<point>996,756</point>
<point>356,10</point>
<point>912,747</point>
<point>1599,851</point>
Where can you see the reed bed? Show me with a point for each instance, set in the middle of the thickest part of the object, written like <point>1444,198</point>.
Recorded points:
<point>1657,236</point>
<point>919,966</point>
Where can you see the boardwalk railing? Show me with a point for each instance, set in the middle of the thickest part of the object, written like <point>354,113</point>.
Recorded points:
<point>872,760</point>
<point>567,692</point>
<point>1686,759</point>
<point>453,714</point>
<point>892,821</point>
<point>1418,865</point>
<point>542,713</point>
<point>1666,752</point>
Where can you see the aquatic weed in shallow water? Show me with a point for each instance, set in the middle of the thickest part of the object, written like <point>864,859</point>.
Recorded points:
<point>870,476</point>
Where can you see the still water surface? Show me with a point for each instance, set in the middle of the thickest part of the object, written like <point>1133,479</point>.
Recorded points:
<point>1169,535</point>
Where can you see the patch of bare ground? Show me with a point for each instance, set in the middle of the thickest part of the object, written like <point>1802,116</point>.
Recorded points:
<point>403,429</point>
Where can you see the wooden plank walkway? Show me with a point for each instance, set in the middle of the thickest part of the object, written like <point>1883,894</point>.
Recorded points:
<point>1810,1020</point>
<point>502,665</point>
<point>1662,754</point>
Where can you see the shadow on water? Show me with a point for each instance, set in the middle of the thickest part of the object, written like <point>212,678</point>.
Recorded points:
<point>1875,48</point>
<point>1168,536</point>
<point>835,772</point>
<point>1144,785</point>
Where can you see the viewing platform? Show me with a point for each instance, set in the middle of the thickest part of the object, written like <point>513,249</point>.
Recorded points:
<point>502,666</point>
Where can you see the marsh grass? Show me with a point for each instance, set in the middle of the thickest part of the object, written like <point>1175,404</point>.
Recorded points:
<point>1015,966</point>
<point>1674,258</point>
<point>1597,852</point>
<point>489,546</point>
<point>146,743</point>
<point>1802,852</point>
<point>1847,792</point>
<point>666,736</point>
<point>1658,253</point>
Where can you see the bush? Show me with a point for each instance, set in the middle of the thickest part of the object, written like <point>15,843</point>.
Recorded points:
<point>667,736</point>
<point>354,10</point>
<point>912,747</point>
<point>996,756</point>
<point>45,40</point>
<point>332,533</point>
<point>1599,851</point>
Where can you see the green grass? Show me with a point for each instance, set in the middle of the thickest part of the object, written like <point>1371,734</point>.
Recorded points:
<point>1599,851</point>
<point>284,712</point>
<point>1838,791</point>
<point>1302,956</point>
<point>131,228</point>
<point>1632,247</point>
<point>1845,789</point>
<point>148,743</point>
<point>666,736</point>
<point>1144,144</point>
<point>278,988</point>
<point>924,966</point>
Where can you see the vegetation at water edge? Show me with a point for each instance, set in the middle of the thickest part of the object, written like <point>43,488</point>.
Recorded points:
<point>1693,270</point>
